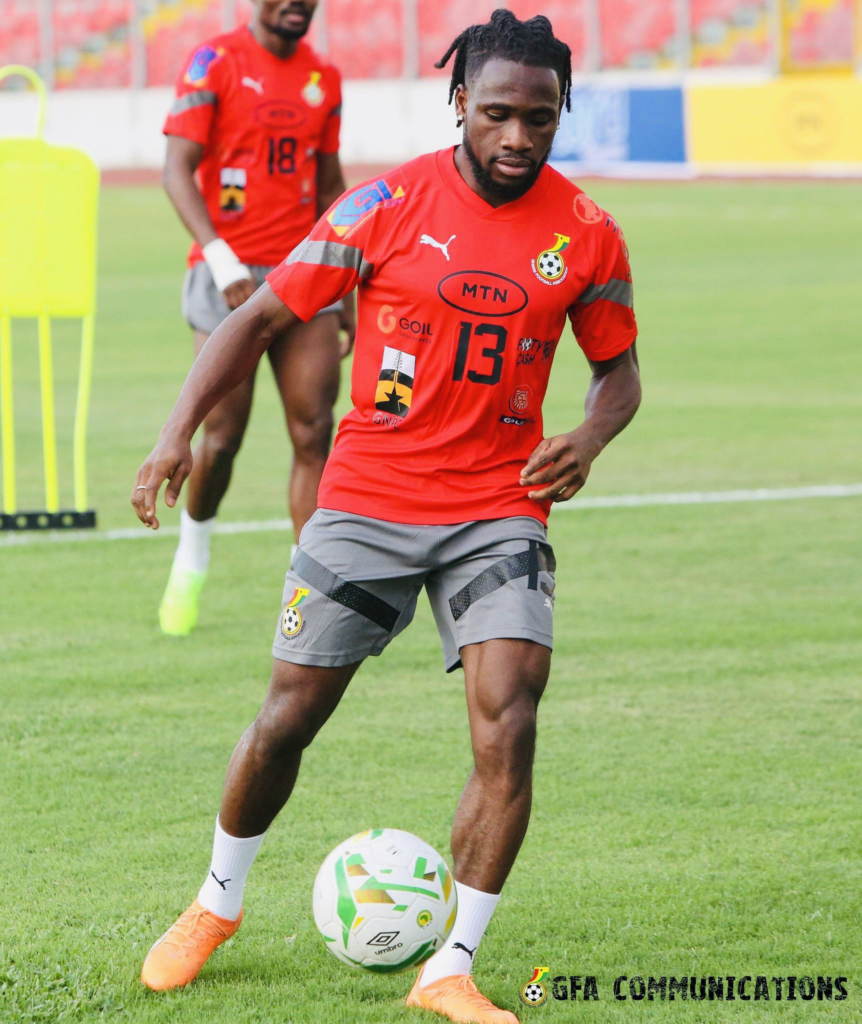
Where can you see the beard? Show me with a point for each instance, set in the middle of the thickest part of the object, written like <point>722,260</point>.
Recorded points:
<point>289,35</point>
<point>502,189</point>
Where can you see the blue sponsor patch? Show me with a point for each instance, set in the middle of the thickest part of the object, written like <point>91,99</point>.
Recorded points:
<point>200,64</point>
<point>349,210</point>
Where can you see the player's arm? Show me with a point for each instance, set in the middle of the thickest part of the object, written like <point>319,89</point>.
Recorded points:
<point>232,278</point>
<point>229,355</point>
<point>560,465</point>
<point>330,187</point>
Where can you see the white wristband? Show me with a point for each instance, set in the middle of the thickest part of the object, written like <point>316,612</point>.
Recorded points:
<point>224,264</point>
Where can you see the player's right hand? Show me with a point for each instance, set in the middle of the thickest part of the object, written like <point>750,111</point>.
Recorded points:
<point>170,460</point>
<point>236,293</point>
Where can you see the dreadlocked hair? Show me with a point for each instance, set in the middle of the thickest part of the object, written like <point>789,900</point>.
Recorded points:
<point>525,42</point>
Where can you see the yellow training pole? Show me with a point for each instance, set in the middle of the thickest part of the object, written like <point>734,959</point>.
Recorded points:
<point>82,409</point>
<point>8,416</point>
<point>49,433</point>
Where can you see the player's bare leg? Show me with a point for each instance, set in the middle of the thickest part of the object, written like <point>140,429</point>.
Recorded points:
<point>505,680</point>
<point>307,371</point>
<point>260,778</point>
<point>264,765</point>
<point>223,431</point>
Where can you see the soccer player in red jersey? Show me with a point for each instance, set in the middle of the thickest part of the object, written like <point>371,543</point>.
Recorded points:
<point>252,162</point>
<point>468,262</point>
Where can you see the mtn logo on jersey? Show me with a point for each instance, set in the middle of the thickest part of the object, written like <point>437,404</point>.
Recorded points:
<point>311,92</point>
<point>483,293</point>
<point>232,194</point>
<point>200,65</point>
<point>550,268</point>
<point>355,208</point>
<point>395,384</point>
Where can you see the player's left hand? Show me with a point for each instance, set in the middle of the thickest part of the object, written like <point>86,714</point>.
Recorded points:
<point>347,323</point>
<point>559,466</point>
<point>170,460</point>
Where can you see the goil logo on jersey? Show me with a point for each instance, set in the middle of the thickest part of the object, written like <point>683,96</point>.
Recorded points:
<point>199,68</point>
<point>550,267</point>
<point>353,209</point>
<point>291,619</point>
<point>311,91</point>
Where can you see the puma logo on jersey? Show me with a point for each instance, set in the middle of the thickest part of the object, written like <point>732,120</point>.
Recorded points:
<point>252,84</point>
<point>442,246</point>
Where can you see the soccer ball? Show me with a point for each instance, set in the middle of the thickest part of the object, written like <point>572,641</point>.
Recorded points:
<point>551,265</point>
<point>384,900</point>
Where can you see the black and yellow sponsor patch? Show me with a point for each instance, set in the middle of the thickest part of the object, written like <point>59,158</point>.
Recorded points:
<point>395,384</point>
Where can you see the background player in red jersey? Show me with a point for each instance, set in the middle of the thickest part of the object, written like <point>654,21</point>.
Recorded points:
<point>441,477</point>
<point>252,162</point>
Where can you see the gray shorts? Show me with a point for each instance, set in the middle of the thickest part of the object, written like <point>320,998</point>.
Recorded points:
<point>204,306</point>
<point>354,581</point>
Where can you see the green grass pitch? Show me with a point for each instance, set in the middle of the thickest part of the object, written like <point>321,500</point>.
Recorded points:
<point>697,780</point>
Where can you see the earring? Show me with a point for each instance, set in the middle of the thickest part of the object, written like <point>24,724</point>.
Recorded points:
<point>459,122</point>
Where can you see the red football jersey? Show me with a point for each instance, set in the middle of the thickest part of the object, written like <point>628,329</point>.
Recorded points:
<point>461,306</point>
<point>262,122</point>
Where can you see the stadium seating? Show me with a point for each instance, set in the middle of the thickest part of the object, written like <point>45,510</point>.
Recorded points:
<point>820,32</point>
<point>91,43</point>
<point>365,38</point>
<point>19,37</point>
<point>637,35</point>
<point>729,32</point>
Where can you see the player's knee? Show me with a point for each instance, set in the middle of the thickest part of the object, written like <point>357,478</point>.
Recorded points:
<point>221,447</point>
<point>503,743</point>
<point>288,721</point>
<point>311,435</point>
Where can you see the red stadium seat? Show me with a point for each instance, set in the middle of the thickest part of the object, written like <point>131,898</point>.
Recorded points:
<point>365,37</point>
<point>635,34</point>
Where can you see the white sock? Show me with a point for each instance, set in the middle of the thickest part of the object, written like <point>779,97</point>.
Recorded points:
<point>232,858</point>
<point>193,550</point>
<point>474,912</point>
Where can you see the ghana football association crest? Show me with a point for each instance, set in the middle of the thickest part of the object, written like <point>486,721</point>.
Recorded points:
<point>549,266</point>
<point>291,619</point>
<point>534,992</point>
<point>311,91</point>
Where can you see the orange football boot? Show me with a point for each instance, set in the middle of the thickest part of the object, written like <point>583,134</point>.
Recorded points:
<point>457,998</point>
<point>178,956</point>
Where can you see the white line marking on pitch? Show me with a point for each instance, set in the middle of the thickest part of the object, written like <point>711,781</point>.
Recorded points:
<point>611,501</point>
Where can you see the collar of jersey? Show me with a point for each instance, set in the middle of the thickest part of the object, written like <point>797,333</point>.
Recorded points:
<point>508,211</point>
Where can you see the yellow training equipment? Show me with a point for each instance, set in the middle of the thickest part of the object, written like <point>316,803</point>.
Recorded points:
<point>48,211</point>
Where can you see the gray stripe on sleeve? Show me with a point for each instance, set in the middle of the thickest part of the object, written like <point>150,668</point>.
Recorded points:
<point>330,254</point>
<point>616,290</point>
<point>193,99</point>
